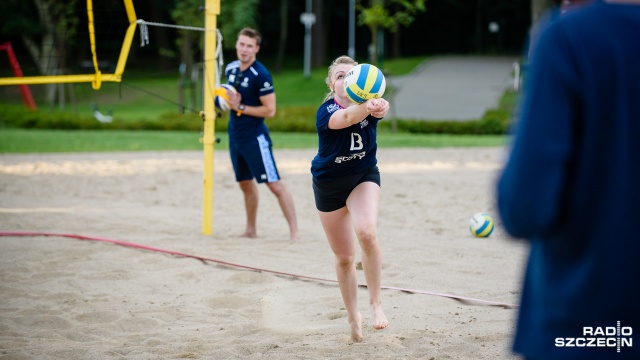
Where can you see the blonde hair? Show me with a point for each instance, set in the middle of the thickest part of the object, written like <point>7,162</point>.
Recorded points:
<point>344,59</point>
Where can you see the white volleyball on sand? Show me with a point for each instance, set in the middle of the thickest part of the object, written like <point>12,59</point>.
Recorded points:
<point>364,82</point>
<point>222,99</point>
<point>481,225</point>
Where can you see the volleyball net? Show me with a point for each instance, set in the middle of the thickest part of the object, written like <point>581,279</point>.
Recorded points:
<point>62,34</point>
<point>62,29</point>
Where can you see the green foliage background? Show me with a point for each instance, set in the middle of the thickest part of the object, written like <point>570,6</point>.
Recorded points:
<point>293,118</point>
<point>145,101</point>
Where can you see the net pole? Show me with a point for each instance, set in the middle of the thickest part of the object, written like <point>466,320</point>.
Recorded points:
<point>97,82</point>
<point>212,9</point>
<point>128,39</point>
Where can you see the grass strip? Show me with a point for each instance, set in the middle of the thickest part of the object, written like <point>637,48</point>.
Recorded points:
<point>45,141</point>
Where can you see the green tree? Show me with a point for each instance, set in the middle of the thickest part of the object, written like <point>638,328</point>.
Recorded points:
<point>234,15</point>
<point>387,14</point>
<point>49,37</point>
<point>188,13</point>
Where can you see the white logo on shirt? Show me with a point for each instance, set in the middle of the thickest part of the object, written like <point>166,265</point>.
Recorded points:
<point>341,159</point>
<point>266,86</point>
<point>332,108</point>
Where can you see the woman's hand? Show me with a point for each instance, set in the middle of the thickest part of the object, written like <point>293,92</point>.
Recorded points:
<point>377,107</point>
<point>355,113</point>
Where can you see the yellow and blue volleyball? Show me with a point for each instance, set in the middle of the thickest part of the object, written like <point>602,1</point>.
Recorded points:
<point>222,99</point>
<point>364,82</point>
<point>481,225</point>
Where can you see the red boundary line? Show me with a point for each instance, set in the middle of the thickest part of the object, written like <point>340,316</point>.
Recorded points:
<point>225,263</point>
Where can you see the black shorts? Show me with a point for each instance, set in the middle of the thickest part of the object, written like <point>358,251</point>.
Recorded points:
<point>332,195</point>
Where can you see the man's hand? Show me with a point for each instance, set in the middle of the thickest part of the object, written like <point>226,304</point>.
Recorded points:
<point>235,98</point>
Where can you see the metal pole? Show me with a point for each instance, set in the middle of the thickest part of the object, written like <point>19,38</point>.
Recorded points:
<point>25,92</point>
<point>352,29</point>
<point>307,20</point>
<point>212,9</point>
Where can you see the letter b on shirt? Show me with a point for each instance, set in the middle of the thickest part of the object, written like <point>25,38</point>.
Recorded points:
<point>356,142</point>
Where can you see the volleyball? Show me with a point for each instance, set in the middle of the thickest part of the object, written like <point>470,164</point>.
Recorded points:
<point>222,99</point>
<point>364,82</point>
<point>481,225</point>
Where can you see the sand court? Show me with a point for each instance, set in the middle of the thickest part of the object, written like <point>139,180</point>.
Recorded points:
<point>64,298</point>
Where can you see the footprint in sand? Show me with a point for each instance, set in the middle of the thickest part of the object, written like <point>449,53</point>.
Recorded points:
<point>336,315</point>
<point>98,317</point>
<point>137,324</point>
<point>249,277</point>
<point>230,302</point>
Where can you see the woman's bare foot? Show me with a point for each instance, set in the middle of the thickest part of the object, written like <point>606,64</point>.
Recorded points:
<point>379,319</point>
<point>248,234</point>
<point>356,328</point>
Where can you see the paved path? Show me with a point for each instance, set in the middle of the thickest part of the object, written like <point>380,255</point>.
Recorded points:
<point>451,88</point>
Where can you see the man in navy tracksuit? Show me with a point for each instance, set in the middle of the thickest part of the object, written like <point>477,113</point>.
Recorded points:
<point>572,187</point>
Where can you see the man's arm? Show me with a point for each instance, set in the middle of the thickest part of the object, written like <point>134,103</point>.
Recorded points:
<point>266,110</point>
<point>533,182</point>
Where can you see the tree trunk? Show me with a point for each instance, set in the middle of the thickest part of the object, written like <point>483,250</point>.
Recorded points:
<point>186,68</point>
<point>284,31</point>
<point>479,25</point>
<point>60,88</point>
<point>318,36</point>
<point>45,56</point>
<point>373,48</point>
<point>162,36</point>
<point>395,44</point>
